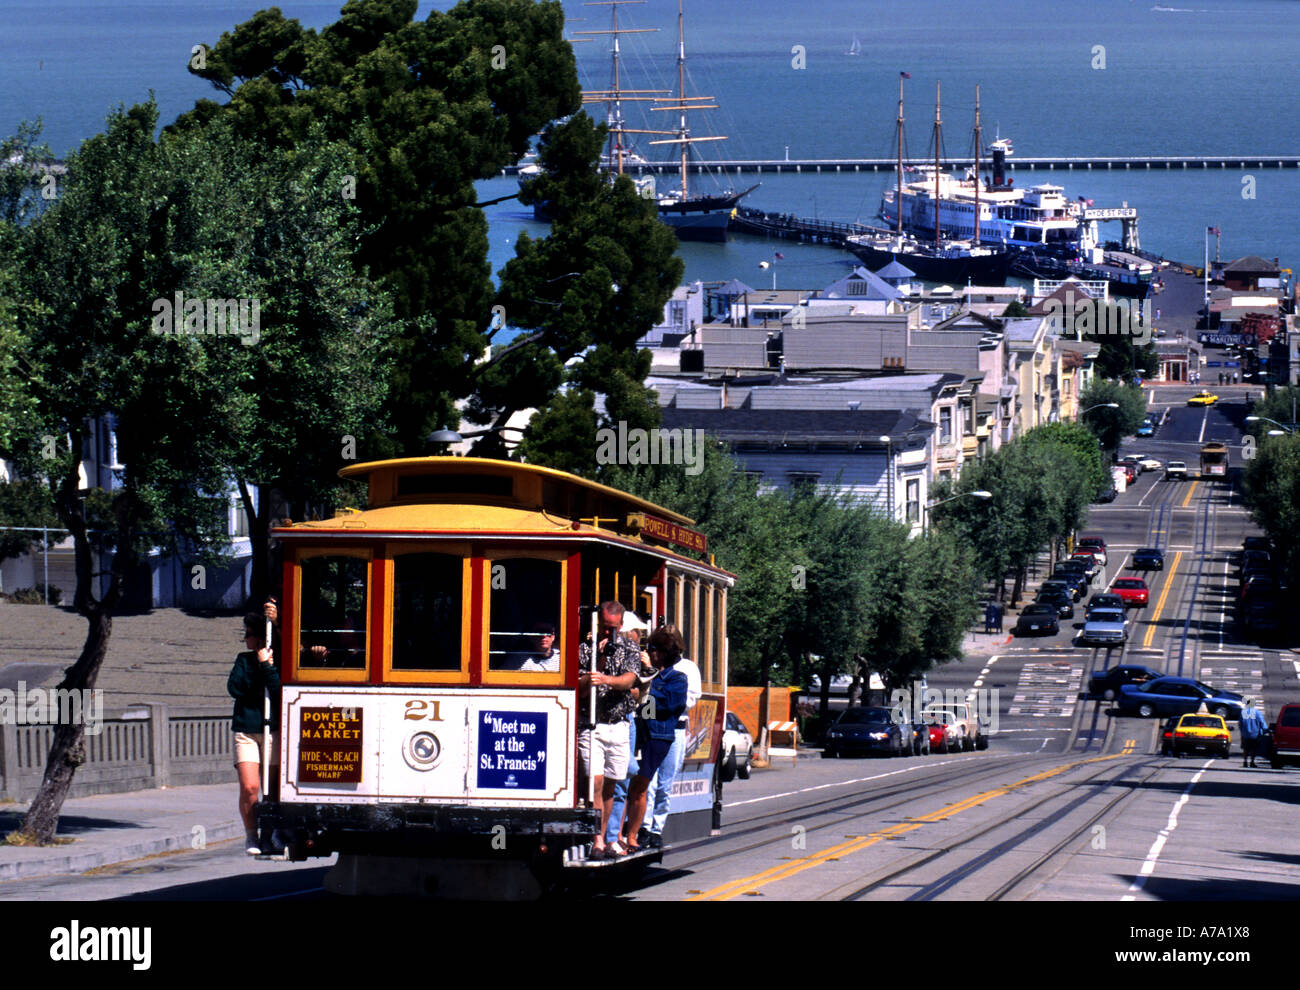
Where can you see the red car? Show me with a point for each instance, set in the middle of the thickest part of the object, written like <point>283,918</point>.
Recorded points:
<point>1286,737</point>
<point>1133,590</point>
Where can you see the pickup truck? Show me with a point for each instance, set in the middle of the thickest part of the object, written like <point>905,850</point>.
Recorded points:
<point>974,732</point>
<point>1176,471</point>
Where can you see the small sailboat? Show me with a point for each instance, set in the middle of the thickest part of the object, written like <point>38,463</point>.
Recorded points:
<point>855,48</point>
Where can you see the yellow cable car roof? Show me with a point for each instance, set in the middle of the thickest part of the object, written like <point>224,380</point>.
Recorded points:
<point>531,486</point>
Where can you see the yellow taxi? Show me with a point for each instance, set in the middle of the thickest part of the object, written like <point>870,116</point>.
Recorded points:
<point>1203,398</point>
<point>1198,733</point>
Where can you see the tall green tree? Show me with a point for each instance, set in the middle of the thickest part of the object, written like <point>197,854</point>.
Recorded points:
<point>430,108</point>
<point>1271,486</point>
<point>135,223</point>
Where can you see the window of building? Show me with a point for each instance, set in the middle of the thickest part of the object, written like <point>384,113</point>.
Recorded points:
<point>798,478</point>
<point>427,594</point>
<point>525,603</point>
<point>913,499</point>
<point>945,424</point>
<point>333,612</point>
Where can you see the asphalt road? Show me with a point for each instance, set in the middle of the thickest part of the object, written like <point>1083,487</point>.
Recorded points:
<point>1069,801</point>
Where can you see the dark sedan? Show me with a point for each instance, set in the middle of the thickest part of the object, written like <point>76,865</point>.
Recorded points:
<point>1076,579</point>
<point>1039,619</point>
<point>1059,600</point>
<point>1104,599</point>
<point>1176,696</point>
<point>868,730</point>
<point>1149,559</point>
<point>1106,495</point>
<point>1106,684</point>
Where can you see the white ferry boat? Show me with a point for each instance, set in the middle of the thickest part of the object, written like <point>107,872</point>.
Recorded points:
<point>1039,218</point>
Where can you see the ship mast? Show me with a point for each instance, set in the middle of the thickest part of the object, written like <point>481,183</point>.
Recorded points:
<point>898,196</point>
<point>615,97</point>
<point>977,166</point>
<point>684,103</point>
<point>936,167</point>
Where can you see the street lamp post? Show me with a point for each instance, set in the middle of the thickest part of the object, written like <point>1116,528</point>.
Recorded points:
<point>1257,419</point>
<point>1102,405</point>
<point>925,522</point>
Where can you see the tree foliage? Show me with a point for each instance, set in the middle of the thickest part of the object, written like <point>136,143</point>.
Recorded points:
<point>1271,486</point>
<point>1110,426</point>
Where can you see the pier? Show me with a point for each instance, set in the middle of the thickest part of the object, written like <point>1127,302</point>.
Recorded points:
<point>824,166</point>
<point>788,227</point>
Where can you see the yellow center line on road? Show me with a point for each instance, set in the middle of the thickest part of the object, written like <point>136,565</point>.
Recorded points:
<point>1191,491</point>
<point>1164,593</point>
<point>746,885</point>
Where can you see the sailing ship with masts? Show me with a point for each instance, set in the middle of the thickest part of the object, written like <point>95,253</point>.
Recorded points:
<point>692,215</point>
<point>957,260</point>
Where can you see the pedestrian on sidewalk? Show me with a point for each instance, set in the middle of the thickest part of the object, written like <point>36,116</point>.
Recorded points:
<point>1253,731</point>
<point>253,674</point>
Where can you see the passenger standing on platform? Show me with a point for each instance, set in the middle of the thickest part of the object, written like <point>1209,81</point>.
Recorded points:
<point>253,674</point>
<point>665,709</point>
<point>603,735</point>
<point>661,787</point>
<point>634,629</point>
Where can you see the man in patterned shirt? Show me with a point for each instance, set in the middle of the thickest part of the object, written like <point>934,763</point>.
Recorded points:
<point>603,743</point>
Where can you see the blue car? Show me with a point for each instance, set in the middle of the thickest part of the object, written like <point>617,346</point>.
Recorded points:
<point>1176,696</point>
<point>1149,559</point>
<point>1147,429</point>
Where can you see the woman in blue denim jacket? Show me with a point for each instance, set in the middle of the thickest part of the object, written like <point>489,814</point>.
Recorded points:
<point>658,718</point>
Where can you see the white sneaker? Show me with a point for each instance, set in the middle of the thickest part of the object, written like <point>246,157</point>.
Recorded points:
<point>251,847</point>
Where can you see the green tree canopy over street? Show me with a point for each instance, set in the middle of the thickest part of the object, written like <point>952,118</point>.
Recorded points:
<point>1111,426</point>
<point>429,108</point>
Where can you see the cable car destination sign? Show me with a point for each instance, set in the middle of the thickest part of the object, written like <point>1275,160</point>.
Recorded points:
<point>329,746</point>
<point>658,528</point>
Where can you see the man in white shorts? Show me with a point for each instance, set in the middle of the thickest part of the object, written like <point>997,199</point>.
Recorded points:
<point>603,741</point>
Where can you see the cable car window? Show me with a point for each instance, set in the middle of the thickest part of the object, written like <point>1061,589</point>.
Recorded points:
<point>427,592</point>
<point>333,611</point>
<point>524,615</point>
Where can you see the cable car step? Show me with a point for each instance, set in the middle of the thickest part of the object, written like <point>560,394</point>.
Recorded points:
<point>579,857</point>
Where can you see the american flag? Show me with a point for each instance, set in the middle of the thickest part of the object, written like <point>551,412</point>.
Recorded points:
<point>906,75</point>
<point>1213,230</point>
<point>778,256</point>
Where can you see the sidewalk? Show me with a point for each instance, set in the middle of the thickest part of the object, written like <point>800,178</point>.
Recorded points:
<point>114,828</point>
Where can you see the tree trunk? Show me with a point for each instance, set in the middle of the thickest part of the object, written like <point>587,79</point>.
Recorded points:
<point>261,580</point>
<point>68,750</point>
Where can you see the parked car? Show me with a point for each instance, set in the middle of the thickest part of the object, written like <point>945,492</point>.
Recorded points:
<point>1201,733</point>
<point>1176,696</point>
<point>1149,559</point>
<point>1071,582</point>
<point>945,731</point>
<point>1176,471</point>
<point>1130,472</point>
<point>1093,543</point>
<point>1105,627</point>
<point>1089,563</point>
<point>1038,619</point>
<point>1147,429</point>
<point>738,745</point>
<point>1255,560</point>
<point>973,731</point>
<point>1256,585</point>
<point>920,739</point>
<point>1060,600</point>
<point>1134,591</point>
<point>1257,543</point>
<point>866,730</point>
<point>1106,495</point>
<point>1286,737</point>
<point>1262,617</point>
<point>1098,555</point>
<point>1105,685</point>
<point>1078,566</point>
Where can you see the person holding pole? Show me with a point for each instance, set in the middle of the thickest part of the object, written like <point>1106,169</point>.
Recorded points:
<point>603,739</point>
<point>254,683</point>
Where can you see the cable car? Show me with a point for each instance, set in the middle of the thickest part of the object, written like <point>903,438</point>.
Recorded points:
<point>423,737</point>
<point>1214,459</point>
